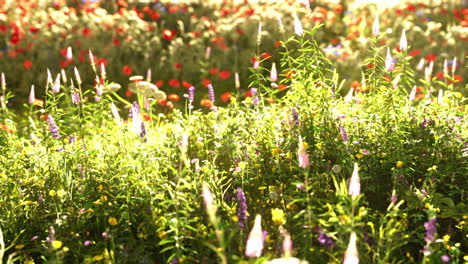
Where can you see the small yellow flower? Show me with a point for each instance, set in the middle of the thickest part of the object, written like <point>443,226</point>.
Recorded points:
<point>98,258</point>
<point>399,164</point>
<point>359,155</point>
<point>103,198</point>
<point>277,215</point>
<point>52,193</point>
<point>112,221</point>
<point>66,249</point>
<point>20,246</point>
<point>56,244</point>
<point>162,234</point>
<point>291,206</point>
<point>61,193</point>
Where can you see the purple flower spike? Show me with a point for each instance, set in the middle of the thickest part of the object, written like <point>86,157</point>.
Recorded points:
<point>53,127</point>
<point>242,208</point>
<point>431,230</point>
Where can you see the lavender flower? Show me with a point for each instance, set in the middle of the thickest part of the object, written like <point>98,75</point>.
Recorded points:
<point>191,96</point>
<point>343,134</point>
<point>324,239</point>
<point>242,208</point>
<point>211,94</point>
<point>75,96</point>
<point>295,115</point>
<point>87,243</point>
<point>137,123</point>
<point>142,130</point>
<point>53,127</point>
<point>431,230</point>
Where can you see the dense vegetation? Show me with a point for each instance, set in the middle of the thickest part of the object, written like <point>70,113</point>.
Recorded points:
<point>258,133</point>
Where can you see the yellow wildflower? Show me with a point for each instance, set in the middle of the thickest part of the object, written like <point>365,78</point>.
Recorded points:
<point>52,193</point>
<point>399,164</point>
<point>112,221</point>
<point>277,215</point>
<point>61,193</point>
<point>20,246</point>
<point>56,244</point>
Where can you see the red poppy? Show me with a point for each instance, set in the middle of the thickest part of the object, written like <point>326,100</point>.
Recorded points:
<point>168,34</point>
<point>65,63</point>
<point>206,103</point>
<point>356,86</point>
<point>174,83</point>
<point>116,41</point>
<point>186,85</point>
<point>178,65</point>
<point>457,79</point>
<point>127,70</point>
<point>206,81</point>
<point>266,55</point>
<point>128,93</point>
<point>86,32</point>
<point>248,93</point>
<point>277,43</point>
<point>224,75</point>
<point>225,97</point>
<point>173,9</point>
<point>290,74</point>
<point>100,61</point>
<point>170,105</point>
<point>173,97</point>
<point>6,128</point>
<point>27,64</point>
<point>33,29</point>
<point>63,52</point>
<point>431,57</point>
<point>282,87</point>
<point>159,83</point>
<point>213,71</point>
<point>414,53</point>
<point>15,39</point>
<point>440,75</point>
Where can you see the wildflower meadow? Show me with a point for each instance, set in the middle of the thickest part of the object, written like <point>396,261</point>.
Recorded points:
<point>233,131</point>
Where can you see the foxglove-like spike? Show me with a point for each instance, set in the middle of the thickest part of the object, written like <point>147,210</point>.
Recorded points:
<point>298,25</point>
<point>32,96</point>
<point>403,41</point>
<point>376,26</point>
<point>56,86</point>
<point>273,73</point>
